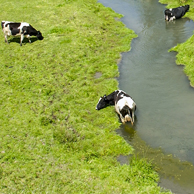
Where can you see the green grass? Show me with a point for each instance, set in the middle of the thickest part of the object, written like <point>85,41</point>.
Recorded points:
<point>52,140</point>
<point>185,57</point>
<point>185,50</point>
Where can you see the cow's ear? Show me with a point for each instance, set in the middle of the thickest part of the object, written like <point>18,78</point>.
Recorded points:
<point>105,97</point>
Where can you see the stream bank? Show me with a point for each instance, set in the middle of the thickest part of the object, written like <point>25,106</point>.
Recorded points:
<point>164,116</point>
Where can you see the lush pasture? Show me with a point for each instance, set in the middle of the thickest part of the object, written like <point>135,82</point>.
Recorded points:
<point>52,140</point>
<point>185,50</point>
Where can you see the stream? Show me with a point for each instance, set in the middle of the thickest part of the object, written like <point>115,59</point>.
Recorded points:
<point>164,123</point>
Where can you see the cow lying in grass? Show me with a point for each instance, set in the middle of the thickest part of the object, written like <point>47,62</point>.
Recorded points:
<point>124,105</point>
<point>175,13</point>
<point>19,29</point>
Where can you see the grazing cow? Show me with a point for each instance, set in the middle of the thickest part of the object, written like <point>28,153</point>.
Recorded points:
<point>19,29</point>
<point>124,105</point>
<point>175,13</point>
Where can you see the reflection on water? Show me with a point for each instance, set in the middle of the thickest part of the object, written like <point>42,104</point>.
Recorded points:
<point>176,175</point>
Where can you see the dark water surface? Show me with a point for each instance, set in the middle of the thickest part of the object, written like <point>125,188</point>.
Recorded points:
<point>164,98</point>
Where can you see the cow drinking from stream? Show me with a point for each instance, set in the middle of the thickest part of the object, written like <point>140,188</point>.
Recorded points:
<point>175,13</point>
<point>124,105</point>
<point>19,29</point>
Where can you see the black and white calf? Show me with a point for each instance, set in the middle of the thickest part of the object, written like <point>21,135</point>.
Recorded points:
<point>124,105</point>
<point>19,29</point>
<point>175,13</point>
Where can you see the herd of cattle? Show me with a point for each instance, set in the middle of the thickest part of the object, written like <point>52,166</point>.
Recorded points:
<point>124,104</point>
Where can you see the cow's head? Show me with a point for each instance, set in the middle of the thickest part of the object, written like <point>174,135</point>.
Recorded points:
<point>169,15</point>
<point>102,103</point>
<point>39,35</point>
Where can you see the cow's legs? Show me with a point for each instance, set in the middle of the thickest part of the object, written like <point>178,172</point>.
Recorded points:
<point>28,36</point>
<point>21,39</point>
<point>122,119</point>
<point>6,39</point>
<point>132,120</point>
<point>121,116</point>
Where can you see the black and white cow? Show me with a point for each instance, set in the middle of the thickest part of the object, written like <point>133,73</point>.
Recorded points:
<point>175,13</point>
<point>124,105</point>
<point>19,29</point>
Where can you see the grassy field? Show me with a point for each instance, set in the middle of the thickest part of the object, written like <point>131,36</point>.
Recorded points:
<point>185,50</point>
<point>52,140</point>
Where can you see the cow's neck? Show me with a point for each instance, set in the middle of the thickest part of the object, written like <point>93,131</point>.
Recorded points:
<point>112,97</point>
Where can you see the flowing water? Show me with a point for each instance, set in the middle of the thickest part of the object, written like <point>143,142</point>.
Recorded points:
<point>161,90</point>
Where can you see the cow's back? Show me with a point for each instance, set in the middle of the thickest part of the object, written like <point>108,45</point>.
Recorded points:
<point>180,11</point>
<point>125,101</point>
